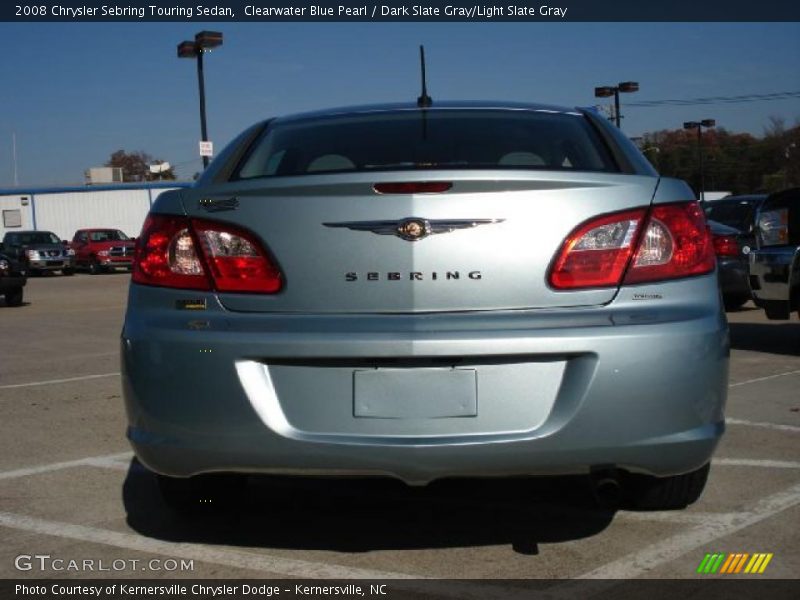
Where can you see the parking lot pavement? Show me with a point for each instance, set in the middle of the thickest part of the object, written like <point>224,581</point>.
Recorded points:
<point>70,489</point>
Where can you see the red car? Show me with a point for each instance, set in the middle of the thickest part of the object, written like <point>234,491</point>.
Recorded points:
<point>102,249</point>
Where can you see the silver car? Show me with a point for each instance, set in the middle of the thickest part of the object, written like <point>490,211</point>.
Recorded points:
<point>457,290</point>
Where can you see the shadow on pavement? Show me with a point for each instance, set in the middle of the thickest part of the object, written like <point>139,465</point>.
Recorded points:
<point>778,337</point>
<point>359,515</point>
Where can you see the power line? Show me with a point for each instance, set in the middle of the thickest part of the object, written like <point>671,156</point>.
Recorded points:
<point>717,100</point>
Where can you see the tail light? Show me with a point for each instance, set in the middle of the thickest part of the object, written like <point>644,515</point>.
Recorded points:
<point>726,245</point>
<point>773,226</point>
<point>596,254</point>
<point>202,255</point>
<point>635,246</point>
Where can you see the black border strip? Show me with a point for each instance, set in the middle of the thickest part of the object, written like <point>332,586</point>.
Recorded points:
<point>399,11</point>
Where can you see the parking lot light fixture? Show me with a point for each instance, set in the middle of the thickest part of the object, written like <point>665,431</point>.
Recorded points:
<point>204,41</point>
<point>606,91</point>
<point>698,125</point>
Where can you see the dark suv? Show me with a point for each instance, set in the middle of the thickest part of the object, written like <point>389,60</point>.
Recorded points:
<point>775,265</point>
<point>39,251</point>
<point>12,280</point>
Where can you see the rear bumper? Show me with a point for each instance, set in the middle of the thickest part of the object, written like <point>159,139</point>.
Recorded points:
<point>733,277</point>
<point>116,263</point>
<point>558,393</point>
<point>774,274</point>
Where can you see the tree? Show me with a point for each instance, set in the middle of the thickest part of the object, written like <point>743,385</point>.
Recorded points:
<point>737,162</point>
<point>783,147</point>
<point>136,166</point>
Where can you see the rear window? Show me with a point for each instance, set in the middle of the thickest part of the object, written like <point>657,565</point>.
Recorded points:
<point>431,139</point>
<point>739,214</point>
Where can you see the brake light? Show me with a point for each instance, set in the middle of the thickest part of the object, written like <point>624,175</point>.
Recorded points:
<point>726,245</point>
<point>676,244</point>
<point>596,254</point>
<point>236,259</point>
<point>773,226</point>
<point>413,187</point>
<point>202,255</point>
<point>635,247</point>
<point>165,255</point>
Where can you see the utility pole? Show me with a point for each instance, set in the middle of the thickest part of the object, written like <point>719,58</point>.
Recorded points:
<point>14,152</point>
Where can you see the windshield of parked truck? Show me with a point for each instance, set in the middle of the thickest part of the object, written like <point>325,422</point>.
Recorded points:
<point>27,238</point>
<point>107,235</point>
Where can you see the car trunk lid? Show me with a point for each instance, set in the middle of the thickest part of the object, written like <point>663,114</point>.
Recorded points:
<point>321,231</point>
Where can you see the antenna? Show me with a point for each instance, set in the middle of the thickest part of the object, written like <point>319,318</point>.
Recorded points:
<point>424,101</point>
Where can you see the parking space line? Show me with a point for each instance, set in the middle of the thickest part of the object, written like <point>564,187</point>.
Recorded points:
<point>747,462</point>
<point>56,381</point>
<point>671,516</point>
<point>644,560</point>
<point>120,462</point>
<point>288,567</point>
<point>97,461</point>
<point>775,426</point>
<point>757,379</point>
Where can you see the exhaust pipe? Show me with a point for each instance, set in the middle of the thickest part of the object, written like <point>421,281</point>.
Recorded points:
<point>606,488</point>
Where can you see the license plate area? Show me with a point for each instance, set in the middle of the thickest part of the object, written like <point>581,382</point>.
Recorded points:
<point>429,393</point>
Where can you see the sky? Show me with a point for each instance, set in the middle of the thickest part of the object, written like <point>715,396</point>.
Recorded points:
<point>73,93</point>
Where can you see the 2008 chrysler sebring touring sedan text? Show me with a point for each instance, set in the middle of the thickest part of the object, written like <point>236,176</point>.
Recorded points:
<point>426,292</point>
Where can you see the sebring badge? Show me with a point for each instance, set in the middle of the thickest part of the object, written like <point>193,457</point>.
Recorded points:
<point>413,229</point>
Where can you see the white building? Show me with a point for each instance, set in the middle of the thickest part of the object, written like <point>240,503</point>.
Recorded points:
<point>63,210</point>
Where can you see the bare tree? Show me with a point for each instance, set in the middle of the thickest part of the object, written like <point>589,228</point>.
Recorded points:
<point>136,166</point>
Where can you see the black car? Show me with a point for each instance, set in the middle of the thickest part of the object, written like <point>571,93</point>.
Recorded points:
<point>738,212</point>
<point>38,251</point>
<point>731,247</point>
<point>12,280</point>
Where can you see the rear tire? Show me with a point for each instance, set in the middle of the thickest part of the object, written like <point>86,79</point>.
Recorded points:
<point>14,297</point>
<point>667,493</point>
<point>201,492</point>
<point>776,310</point>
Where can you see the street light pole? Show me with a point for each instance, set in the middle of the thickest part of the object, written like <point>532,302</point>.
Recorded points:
<point>700,163</point>
<point>607,91</point>
<point>202,86</point>
<point>203,42</point>
<point>698,125</point>
<point>14,146</point>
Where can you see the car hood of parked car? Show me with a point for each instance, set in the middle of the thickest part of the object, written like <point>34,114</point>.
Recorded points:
<point>42,247</point>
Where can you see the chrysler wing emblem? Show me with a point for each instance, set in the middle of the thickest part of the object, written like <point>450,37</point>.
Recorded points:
<point>413,229</point>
